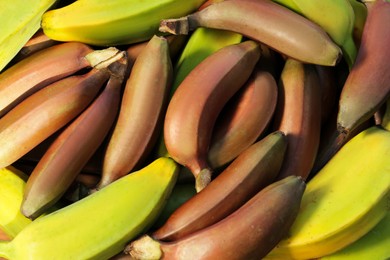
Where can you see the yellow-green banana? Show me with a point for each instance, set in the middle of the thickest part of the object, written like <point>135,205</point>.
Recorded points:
<point>360,10</point>
<point>112,22</point>
<point>343,201</point>
<point>336,17</point>
<point>19,22</point>
<point>98,226</point>
<point>12,183</point>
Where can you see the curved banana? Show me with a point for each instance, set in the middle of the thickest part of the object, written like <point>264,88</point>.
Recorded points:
<point>19,22</point>
<point>73,147</point>
<point>250,232</point>
<point>110,23</point>
<point>196,103</point>
<point>343,201</point>
<point>243,119</point>
<point>98,226</point>
<point>267,22</point>
<point>360,10</point>
<point>143,102</point>
<point>12,184</point>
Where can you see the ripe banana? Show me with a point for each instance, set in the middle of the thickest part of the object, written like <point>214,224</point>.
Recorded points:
<point>248,233</point>
<point>74,146</point>
<point>298,115</point>
<point>98,226</point>
<point>195,105</point>
<point>343,201</point>
<point>360,10</point>
<point>367,86</point>
<point>12,183</point>
<point>19,22</point>
<point>251,171</point>
<point>110,23</point>
<point>243,119</point>
<point>267,22</point>
<point>144,103</point>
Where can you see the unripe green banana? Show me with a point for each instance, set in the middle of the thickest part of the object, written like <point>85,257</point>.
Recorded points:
<point>12,184</point>
<point>19,22</point>
<point>267,22</point>
<point>115,22</point>
<point>343,201</point>
<point>98,226</point>
<point>360,10</point>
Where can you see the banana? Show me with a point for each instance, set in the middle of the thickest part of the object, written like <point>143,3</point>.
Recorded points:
<point>267,22</point>
<point>19,22</point>
<point>195,105</point>
<point>73,147</point>
<point>251,171</point>
<point>243,119</point>
<point>4,237</point>
<point>12,184</point>
<point>298,115</point>
<point>343,201</point>
<point>114,22</point>
<point>336,17</point>
<point>329,91</point>
<point>98,226</point>
<point>367,86</point>
<point>373,245</point>
<point>144,103</point>
<point>360,10</point>
<point>248,233</point>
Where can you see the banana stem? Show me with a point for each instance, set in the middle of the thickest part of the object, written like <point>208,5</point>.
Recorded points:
<point>145,248</point>
<point>203,179</point>
<point>6,250</point>
<point>179,26</point>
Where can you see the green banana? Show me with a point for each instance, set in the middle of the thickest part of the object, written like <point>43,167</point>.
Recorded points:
<point>12,183</point>
<point>19,22</point>
<point>343,201</point>
<point>360,10</point>
<point>116,22</point>
<point>98,226</point>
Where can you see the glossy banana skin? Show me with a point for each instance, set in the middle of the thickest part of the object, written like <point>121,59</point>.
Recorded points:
<point>196,103</point>
<point>139,198</point>
<point>244,118</point>
<point>43,113</point>
<point>39,70</point>
<point>298,115</point>
<point>248,233</point>
<point>259,20</point>
<point>368,84</point>
<point>141,113</point>
<point>250,172</point>
<point>75,145</point>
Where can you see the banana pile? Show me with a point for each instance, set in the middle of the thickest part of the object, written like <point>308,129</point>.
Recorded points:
<point>172,129</point>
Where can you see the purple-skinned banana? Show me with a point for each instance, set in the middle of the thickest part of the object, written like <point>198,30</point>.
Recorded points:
<point>244,118</point>
<point>250,232</point>
<point>298,115</point>
<point>251,171</point>
<point>141,113</point>
<point>197,102</point>
<point>267,22</point>
<point>367,86</point>
<point>74,146</point>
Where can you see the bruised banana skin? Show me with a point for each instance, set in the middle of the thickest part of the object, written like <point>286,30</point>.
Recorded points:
<point>114,22</point>
<point>367,86</point>
<point>195,105</point>
<point>12,184</point>
<point>39,70</point>
<point>248,233</point>
<point>143,102</point>
<point>298,115</point>
<point>75,145</point>
<point>243,119</point>
<point>251,171</point>
<point>267,22</point>
<point>139,198</point>
<point>343,201</point>
<point>46,111</point>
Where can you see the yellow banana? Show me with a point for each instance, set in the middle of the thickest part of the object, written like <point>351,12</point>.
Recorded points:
<point>98,226</point>
<point>12,183</point>
<point>343,201</point>
<point>112,22</point>
<point>19,22</point>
